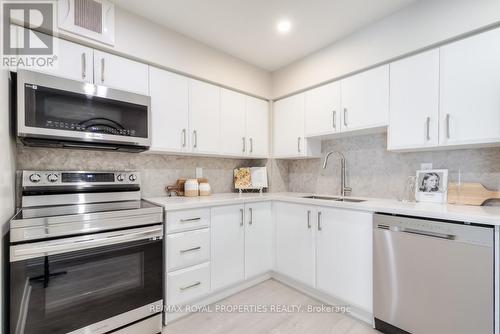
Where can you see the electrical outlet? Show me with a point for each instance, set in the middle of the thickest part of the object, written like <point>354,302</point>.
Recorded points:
<point>199,172</point>
<point>426,165</point>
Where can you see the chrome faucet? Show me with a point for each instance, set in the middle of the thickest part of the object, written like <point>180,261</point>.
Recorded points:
<point>344,189</point>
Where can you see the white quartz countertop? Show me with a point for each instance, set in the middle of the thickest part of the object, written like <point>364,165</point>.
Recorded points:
<point>477,214</point>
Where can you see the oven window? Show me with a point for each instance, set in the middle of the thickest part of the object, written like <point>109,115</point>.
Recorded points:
<point>56,109</point>
<point>66,292</point>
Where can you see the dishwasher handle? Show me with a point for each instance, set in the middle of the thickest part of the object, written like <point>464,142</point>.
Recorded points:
<point>416,231</point>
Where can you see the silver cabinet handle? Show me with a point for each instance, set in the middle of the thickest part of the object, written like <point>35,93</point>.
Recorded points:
<point>184,288</point>
<point>319,221</point>
<point>345,116</point>
<point>190,250</point>
<point>448,126</point>
<point>309,219</point>
<point>103,64</point>
<point>298,144</point>
<point>84,65</point>
<point>195,139</point>
<point>251,145</point>
<point>184,141</point>
<point>243,140</point>
<point>242,213</point>
<point>428,128</point>
<point>250,222</point>
<point>190,220</point>
<point>334,119</point>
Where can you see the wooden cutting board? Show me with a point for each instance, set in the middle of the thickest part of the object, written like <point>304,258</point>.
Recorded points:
<point>470,194</point>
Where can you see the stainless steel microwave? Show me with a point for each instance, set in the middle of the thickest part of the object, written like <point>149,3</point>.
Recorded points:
<point>59,112</point>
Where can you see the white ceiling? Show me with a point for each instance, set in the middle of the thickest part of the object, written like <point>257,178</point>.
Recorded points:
<point>247,28</point>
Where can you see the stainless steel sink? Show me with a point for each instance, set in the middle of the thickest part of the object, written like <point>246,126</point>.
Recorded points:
<point>336,199</point>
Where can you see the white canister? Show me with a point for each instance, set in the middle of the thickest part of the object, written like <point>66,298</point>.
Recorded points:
<point>205,189</point>
<point>191,188</point>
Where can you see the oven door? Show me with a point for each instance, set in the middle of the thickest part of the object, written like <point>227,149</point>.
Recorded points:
<point>87,284</point>
<point>56,108</point>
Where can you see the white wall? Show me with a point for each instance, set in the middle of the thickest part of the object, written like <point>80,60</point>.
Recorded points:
<point>7,173</point>
<point>418,26</point>
<point>153,43</point>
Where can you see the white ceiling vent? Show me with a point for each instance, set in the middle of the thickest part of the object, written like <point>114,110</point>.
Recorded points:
<point>93,19</point>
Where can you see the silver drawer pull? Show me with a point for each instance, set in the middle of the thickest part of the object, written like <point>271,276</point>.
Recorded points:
<point>190,249</point>
<point>189,220</point>
<point>184,288</point>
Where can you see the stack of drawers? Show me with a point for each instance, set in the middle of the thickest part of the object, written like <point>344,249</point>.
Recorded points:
<point>187,255</point>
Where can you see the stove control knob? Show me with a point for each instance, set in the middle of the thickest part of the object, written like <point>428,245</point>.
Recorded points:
<point>35,178</point>
<point>132,177</point>
<point>120,177</point>
<point>52,178</point>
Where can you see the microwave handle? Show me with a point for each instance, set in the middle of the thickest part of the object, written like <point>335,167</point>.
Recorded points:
<point>28,251</point>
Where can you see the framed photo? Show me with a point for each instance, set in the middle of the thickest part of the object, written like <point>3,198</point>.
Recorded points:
<point>432,185</point>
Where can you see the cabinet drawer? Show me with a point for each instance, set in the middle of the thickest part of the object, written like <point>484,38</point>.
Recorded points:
<point>185,220</point>
<point>187,248</point>
<point>188,284</point>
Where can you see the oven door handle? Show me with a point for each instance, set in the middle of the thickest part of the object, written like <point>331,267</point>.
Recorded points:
<point>46,248</point>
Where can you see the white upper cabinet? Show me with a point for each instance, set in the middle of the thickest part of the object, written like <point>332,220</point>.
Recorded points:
<point>365,100</point>
<point>228,245</point>
<point>414,102</point>
<point>470,90</point>
<point>295,243</point>
<point>288,121</point>
<point>322,110</point>
<point>204,117</point>
<point>233,123</point>
<point>169,111</point>
<point>344,256</point>
<point>259,239</point>
<point>120,73</point>
<point>74,61</point>
<point>257,126</point>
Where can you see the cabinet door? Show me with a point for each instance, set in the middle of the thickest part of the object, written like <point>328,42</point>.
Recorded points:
<point>414,102</point>
<point>228,245</point>
<point>322,110</point>
<point>259,239</point>
<point>257,115</point>
<point>289,126</point>
<point>470,90</point>
<point>120,73</point>
<point>169,111</point>
<point>344,256</point>
<point>233,123</point>
<point>295,246</point>
<point>73,61</point>
<point>365,99</point>
<point>204,117</point>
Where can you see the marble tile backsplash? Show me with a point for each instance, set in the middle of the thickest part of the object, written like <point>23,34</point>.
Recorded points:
<point>372,171</point>
<point>157,171</point>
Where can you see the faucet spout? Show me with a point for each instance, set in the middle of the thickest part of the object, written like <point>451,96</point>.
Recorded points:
<point>344,189</point>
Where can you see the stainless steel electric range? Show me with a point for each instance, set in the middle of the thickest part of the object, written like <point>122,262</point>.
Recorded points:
<point>85,255</point>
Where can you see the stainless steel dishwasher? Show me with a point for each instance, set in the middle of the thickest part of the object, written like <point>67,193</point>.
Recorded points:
<point>432,277</point>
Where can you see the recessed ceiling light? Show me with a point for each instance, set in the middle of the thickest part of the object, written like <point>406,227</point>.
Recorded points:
<point>284,26</point>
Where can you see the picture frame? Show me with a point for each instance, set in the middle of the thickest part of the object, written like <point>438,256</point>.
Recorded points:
<point>431,185</point>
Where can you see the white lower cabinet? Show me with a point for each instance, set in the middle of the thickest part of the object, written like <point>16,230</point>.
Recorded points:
<point>344,256</point>
<point>259,239</point>
<point>327,249</point>
<point>323,248</point>
<point>228,245</point>
<point>189,284</point>
<point>295,242</point>
<point>188,248</point>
